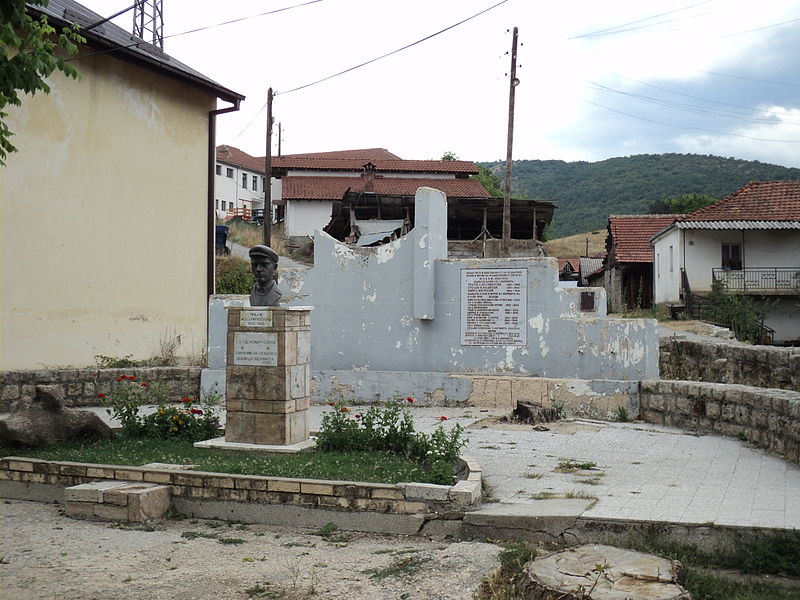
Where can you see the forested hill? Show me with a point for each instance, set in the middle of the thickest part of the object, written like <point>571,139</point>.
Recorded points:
<point>588,192</point>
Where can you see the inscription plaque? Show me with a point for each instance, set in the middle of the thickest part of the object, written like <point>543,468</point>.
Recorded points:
<point>494,307</point>
<point>254,348</point>
<point>255,318</point>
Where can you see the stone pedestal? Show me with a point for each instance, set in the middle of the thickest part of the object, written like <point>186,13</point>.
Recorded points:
<point>267,375</point>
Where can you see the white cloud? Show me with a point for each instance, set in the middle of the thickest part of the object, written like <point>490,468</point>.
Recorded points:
<point>777,142</point>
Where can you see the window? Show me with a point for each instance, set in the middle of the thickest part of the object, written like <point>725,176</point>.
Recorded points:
<point>670,260</point>
<point>255,183</point>
<point>244,180</point>
<point>219,169</point>
<point>216,204</point>
<point>732,257</point>
<point>229,173</point>
<point>230,205</point>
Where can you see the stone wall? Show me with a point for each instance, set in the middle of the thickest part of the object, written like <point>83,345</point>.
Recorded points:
<point>400,498</point>
<point>759,366</point>
<point>81,386</point>
<point>768,418</point>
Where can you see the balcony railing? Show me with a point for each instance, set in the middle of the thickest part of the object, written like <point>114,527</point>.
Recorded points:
<point>784,280</point>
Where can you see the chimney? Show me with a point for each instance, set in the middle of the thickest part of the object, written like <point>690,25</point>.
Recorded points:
<point>369,177</point>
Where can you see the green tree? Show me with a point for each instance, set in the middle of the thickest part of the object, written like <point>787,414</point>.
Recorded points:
<point>450,156</point>
<point>490,181</point>
<point>683,204</point>
<point>29,51</point>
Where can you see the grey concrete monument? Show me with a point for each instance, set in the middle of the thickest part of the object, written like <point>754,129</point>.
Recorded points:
<point>263,263</point>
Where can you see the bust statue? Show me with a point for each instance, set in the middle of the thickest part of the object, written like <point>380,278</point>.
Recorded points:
<point>263,263</point>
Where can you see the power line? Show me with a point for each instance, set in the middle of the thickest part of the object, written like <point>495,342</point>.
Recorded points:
<point>307,85</point>
<point>740,135</point>
<point>139,43</point>
<point>617,28</point>
<point>393,51</point>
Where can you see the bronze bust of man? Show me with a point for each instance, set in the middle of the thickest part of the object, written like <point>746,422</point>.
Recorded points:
<point>263,263</point>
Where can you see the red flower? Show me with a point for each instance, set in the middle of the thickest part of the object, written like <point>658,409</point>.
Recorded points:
<point>101,395</point>
<point>358,416</point>
<point>186,400</point>
<point>345,409</point>
<point>144,384</point>
<point>443,418</point>
<point>410,399</point>
<point>331,404</point>
<point>121,378</point>
<point>197,411</point>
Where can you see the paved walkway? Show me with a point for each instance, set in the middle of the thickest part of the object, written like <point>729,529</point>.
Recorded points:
<point>633,471</point>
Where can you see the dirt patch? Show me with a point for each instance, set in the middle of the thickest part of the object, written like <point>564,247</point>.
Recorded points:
<point>44,554</point>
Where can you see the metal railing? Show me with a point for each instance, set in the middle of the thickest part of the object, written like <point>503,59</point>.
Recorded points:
<point>759,279</point>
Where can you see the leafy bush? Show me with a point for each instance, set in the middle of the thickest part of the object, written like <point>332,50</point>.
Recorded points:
<point>742,314</point>
<point>233,276</point>
<point>193,420</point>
<point>391,429</point>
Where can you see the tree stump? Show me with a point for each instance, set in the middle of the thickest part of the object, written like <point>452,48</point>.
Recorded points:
<point>535,413</point>
<point>596,572</point>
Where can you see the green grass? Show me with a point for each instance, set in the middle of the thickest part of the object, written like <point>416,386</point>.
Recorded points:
<point>570,466</point>
<point>398,568</point>
<point>710,587</point>
<point>347,466</point>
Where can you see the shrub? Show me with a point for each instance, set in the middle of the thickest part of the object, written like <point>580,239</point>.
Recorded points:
<point>390,429</point>
<point>193,420</point>
<point>742,314</point>
<point>233,276</point>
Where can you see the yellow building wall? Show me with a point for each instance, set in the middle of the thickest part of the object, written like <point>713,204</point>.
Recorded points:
<point>103,219</point>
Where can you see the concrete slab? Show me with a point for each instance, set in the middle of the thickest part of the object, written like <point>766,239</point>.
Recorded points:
<point>221,444</point>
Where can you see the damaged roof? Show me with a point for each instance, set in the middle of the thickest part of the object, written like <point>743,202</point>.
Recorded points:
<point>300,187</point>
<point>315,163</point>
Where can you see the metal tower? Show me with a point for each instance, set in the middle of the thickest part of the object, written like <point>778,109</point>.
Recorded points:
<point>148,21</point>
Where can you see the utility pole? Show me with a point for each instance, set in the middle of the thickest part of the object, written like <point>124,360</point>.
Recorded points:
<point>505,247</point>
<point>268,175</point>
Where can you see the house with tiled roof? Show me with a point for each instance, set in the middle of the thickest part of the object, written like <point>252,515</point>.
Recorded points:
<point>238,183</point>
<point>347,192</point>
<point>106,228</point>
<point>749,240</point>
<point>628,272</point>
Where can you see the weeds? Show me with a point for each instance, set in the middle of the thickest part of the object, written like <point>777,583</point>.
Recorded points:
<point>571,466</point>
<point>622,414</point>
<point>398,568</point>
<point>503,584</point>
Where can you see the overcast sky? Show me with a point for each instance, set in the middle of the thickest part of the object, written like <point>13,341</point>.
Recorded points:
<point>597,79</point>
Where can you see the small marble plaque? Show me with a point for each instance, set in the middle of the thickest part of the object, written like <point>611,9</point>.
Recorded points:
<point>251,348</point>
<point>255,318</point>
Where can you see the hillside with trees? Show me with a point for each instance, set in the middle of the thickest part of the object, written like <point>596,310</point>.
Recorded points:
<point>588,192</point>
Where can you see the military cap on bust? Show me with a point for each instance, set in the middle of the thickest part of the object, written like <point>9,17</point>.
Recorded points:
<point>264,251</point>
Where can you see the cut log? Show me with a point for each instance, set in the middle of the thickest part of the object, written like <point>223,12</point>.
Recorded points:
<point>596,572</point>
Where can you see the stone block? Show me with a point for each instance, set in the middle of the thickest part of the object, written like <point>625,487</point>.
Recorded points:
<point>425,491</point>
<point>90,492</point>
<point>283,485</point>
<point>316,487</point>
<point>302,403</point>
<point>303,347</point>
<point>129,474</point>
<point>465,493</point>
<point>148,502</point>
<point>334,502</point>
<point>287,348</point>
<point>100,472</point>
<point>405,507</point>
<point>156,477</point>
<point>20,465</point>
<point>712,409</point>
<point>299,377</point>
<point>273,383</point>
<point>73,469</point>
<point>388,493</point>
<point>250,483</point>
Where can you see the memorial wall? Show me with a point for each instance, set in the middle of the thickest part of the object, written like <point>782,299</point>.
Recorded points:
<point>405,307</point>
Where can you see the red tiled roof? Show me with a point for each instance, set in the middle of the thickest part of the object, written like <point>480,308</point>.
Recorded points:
<point>630,235</point>
<point>333,188</point>
<point>387,165</point>
<point>234,156</point>
<point>367,154</point>
<point>573,262</point>
<point>757,201</point>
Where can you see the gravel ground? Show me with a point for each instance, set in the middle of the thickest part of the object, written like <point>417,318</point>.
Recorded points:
<point>44,554</point>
